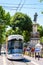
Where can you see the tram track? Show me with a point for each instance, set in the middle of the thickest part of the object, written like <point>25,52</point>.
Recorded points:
<point>26,63</point>
<point>6,61</point>
<point>17,63</point>
<point>20,63</point>
<point>12,62</point>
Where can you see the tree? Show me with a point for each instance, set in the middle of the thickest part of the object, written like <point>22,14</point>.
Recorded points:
<point>41,39</point>
<point>4,19</point>
<point>40,29</point>
<point>2,13</point>
<point>26,35</point>
<point>40,0</point>
<point>7,19</point>
<point>9,32</point>
<point>22,21</point>
<point>2,29</point>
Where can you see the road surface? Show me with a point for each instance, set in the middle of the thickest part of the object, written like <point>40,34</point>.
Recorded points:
<point>27,61</point>
<point>5,61</point>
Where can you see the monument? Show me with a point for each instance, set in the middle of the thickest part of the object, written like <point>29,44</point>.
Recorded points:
<point>35,37</point>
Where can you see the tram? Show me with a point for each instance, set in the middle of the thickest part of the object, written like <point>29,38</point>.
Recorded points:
<point>14,47</point>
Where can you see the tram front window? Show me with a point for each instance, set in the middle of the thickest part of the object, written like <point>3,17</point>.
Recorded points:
<point>15,47</point>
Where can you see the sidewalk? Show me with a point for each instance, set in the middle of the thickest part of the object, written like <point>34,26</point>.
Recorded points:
<point>35,61</point>
<point>1,60</point>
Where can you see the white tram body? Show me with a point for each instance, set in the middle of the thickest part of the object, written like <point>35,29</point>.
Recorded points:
<point>14,47</point>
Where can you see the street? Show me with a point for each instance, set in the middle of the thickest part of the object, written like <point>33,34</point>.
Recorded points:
<point>26,61</point>
<point>29,61</point>
<point>5,61</point>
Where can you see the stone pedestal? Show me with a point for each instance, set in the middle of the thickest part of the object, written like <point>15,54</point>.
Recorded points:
<point>35,36</point>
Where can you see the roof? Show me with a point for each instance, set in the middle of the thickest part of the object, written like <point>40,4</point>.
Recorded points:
<point>15,37</point>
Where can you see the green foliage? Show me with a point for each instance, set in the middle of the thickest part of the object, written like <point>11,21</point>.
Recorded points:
<point>2,13</point>
<point>2,30</point>
<point>4,19</point>
<point>20,23</point>
<point>40,0</point>
<point>41,39</point>
<point>26,35</point>
<point>9,32</point>
<point>40,29</point>
<point>7,18</point>
<point>42,12</point>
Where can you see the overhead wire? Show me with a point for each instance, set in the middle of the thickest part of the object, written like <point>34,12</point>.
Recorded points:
<point>22,5</point>
<point>19,5</point>
<point>12,7</point>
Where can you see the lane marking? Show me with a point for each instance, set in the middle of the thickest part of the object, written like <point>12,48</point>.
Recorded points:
<point>4,60</point>
<point>34,63</point>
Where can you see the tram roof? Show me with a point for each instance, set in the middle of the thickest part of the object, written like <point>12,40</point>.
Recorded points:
<point>17,37</point>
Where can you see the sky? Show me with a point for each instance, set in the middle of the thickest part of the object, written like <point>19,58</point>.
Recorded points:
<point>28,7</point>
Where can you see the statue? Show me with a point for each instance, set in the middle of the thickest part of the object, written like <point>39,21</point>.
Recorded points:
<point>35,17</point>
